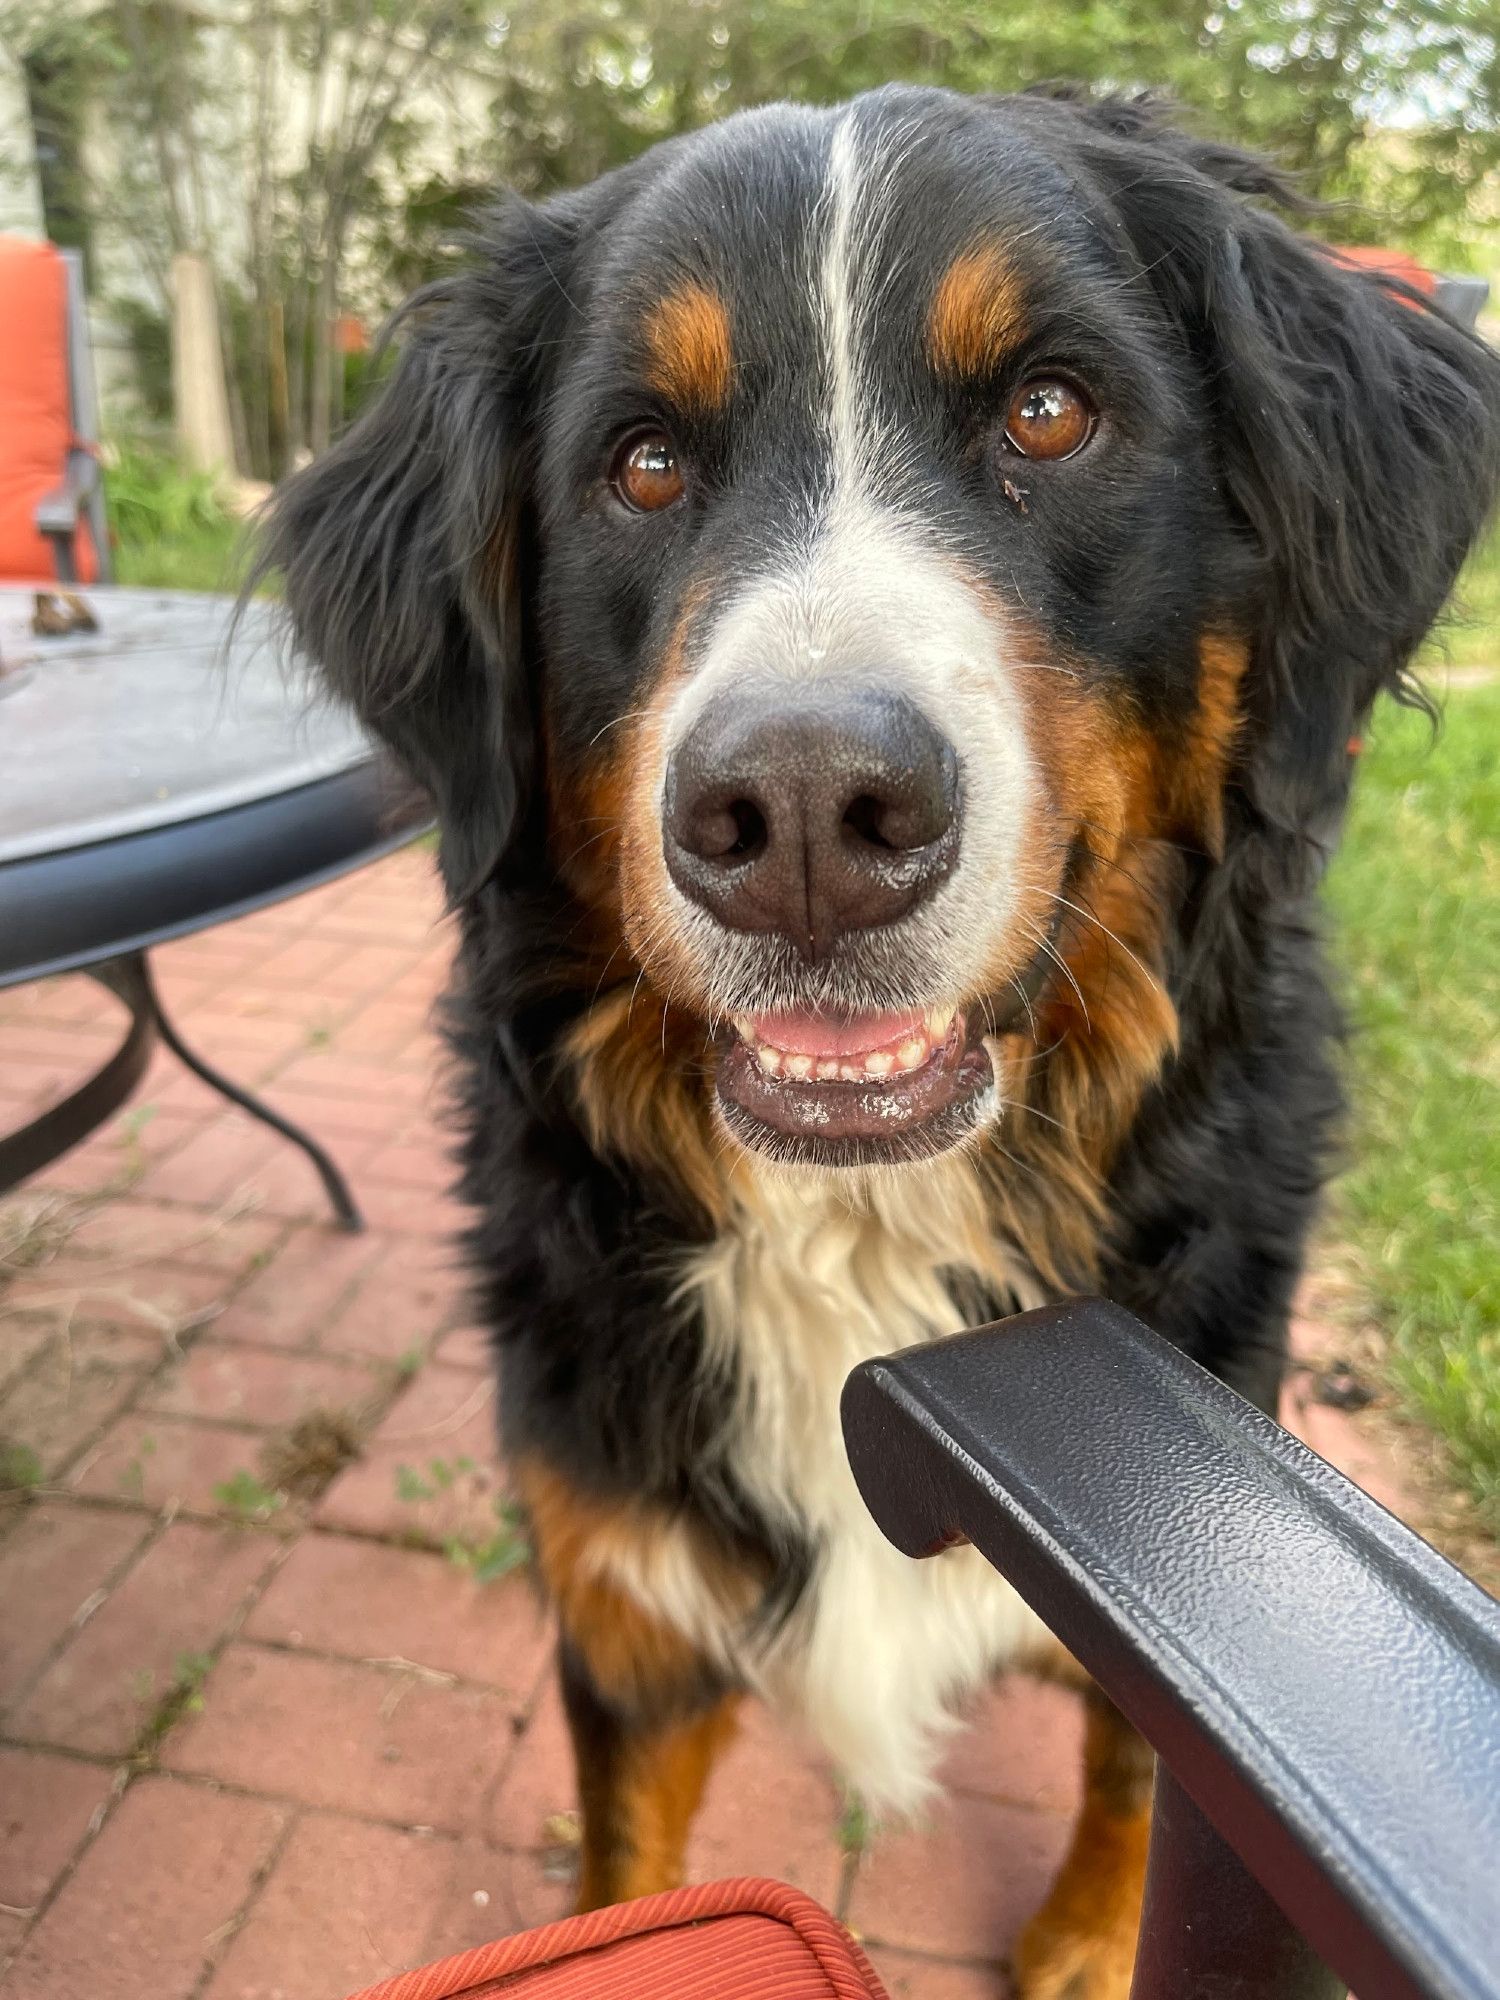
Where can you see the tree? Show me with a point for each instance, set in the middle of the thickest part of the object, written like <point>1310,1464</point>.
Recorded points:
<point>324,153</point>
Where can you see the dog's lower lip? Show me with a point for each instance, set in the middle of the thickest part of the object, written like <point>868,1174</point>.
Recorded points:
<point>857,1090</point>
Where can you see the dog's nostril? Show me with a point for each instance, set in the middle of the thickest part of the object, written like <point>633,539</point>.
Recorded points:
<point>732,831</point>
<point>814,813</point>
<point>866,817</point>
<point>751,832</point>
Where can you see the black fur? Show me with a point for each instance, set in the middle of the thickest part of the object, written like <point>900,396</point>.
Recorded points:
<point>1306,456</point>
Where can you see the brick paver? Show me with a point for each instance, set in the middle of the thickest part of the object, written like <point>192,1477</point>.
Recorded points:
<point>55,1562</point>
<point>143,1914</point>
<point>386,1742</point>
<point>346,1754</point>
<point>153,1631</point>
<point>368,1601</point>
<point>256,1385</point>
<point>389,1882</point>
<point>961,1880</point>
<point>167,1463</point>
<point>47,1805</point>
<point>444,1419</point>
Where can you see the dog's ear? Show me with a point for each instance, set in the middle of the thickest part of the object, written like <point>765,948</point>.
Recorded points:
<point>403,550</point>
<point>1358,432</point>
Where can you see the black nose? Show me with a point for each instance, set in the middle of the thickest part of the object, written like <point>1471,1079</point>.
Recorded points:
<point>811,812</point>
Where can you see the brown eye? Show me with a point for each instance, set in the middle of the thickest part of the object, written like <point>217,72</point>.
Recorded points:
<point>1048,418</point>
<point>646,474</point>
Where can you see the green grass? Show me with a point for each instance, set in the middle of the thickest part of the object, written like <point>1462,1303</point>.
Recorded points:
<point>170,532</point>
<point>1470,635</point>
<point>1416,893</point>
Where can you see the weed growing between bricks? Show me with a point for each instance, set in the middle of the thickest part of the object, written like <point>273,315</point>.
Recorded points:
<point>484,1557</point>
<point>182,1696</point>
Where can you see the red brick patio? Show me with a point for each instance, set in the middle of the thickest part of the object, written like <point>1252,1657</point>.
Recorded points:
<point>266,1748</point>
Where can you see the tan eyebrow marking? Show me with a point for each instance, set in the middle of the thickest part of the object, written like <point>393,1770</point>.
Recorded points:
<point>976,316</point>
<point>688,336</point>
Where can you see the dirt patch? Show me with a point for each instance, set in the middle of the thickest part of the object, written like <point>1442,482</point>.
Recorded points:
<point>306,1458</point>
<point>1345,1365</point>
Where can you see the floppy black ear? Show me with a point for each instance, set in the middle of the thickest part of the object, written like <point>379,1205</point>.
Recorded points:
<point>403,549</point>
<point>1359,433</point>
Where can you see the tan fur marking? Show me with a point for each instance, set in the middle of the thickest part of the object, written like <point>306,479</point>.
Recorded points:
<point>635,1841</point>
<point>639,1804</point>
<point>638,1079</point>
<point>1075,1068</point>
<point>1081,1945</point>
<point>584,1546</point>
<point>1202,766</point>
<point>691,348</point>
<point>976,314</point>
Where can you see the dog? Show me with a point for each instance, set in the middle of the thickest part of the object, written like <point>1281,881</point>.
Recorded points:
<point>883,598</point>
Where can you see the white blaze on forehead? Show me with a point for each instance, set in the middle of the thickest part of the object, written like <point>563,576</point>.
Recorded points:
<point>867,593</point>
<point>856,262</point>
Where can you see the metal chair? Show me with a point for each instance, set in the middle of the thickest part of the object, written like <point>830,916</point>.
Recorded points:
<point>53,526</point>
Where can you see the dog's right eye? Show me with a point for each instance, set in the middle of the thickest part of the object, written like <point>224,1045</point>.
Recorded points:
<point>645,473</point>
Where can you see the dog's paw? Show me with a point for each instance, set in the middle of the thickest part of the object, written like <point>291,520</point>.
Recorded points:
<point>1054,1963</point>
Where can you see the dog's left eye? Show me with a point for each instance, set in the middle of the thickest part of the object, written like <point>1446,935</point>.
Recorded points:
<point>645,473</point>
<point>1048,418</point>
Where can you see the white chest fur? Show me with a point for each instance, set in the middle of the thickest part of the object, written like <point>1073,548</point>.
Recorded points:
<point>814,1275</point>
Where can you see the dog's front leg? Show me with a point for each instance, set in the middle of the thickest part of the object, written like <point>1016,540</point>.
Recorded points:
<point>646,1710</point>
<point>643,1759</point>
<point>1081,1944</point>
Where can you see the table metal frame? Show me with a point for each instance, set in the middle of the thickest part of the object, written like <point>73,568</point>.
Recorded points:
<point>63,1126</point>
<point>101,908</point>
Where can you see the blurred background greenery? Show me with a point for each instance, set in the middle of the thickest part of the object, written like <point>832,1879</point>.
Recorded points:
<point>320,155</point>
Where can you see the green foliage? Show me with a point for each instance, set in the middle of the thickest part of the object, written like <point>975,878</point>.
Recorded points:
<point>441,1476</point>
<point>170,530</point>
<point>326,156</point>
<point>20,1468</point>
<point>183,1695</point>
<point>1469,635</point>
<point>246,1497</point>
<point>1417,893</point>
<point>1395,103</point>
<point>856,1827</point>
<point>152,498</point>
<point>497,1554</point>
<point>149,333</point>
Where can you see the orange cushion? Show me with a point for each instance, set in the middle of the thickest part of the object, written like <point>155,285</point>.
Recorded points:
<point>1389,264</point>
<point>35,424</point>
<point>746,1940</point>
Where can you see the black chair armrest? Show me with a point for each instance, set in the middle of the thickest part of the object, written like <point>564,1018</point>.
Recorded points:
<point>1323,1687</point>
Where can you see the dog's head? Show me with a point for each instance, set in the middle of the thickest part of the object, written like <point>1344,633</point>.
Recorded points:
<point>856,543</point>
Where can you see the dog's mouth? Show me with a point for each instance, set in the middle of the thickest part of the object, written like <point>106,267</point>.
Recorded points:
<point>877,1088</point>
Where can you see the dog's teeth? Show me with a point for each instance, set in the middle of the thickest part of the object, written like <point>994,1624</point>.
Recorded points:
<point>744,1027</point>
<point>851,1072</point>
<point>939,1021</point>
<point>799,1066</point>
<point>828,1070</point>
<point>881,1063</point>
<point>769,1059</point>
<point>912,1054</point>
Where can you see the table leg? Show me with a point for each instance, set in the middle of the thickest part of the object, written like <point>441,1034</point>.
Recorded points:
<point>131,979</point>
<point>69,1123</point>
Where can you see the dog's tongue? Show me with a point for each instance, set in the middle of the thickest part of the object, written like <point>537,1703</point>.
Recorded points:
<point>801,1034</point>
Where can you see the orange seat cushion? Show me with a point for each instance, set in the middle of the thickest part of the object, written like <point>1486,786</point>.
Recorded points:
<point>36,429</point>
<point>747,1940</point>
<point>1389,264</point>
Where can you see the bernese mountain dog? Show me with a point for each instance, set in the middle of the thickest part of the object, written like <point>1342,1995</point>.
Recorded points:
<point>884,599</point>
